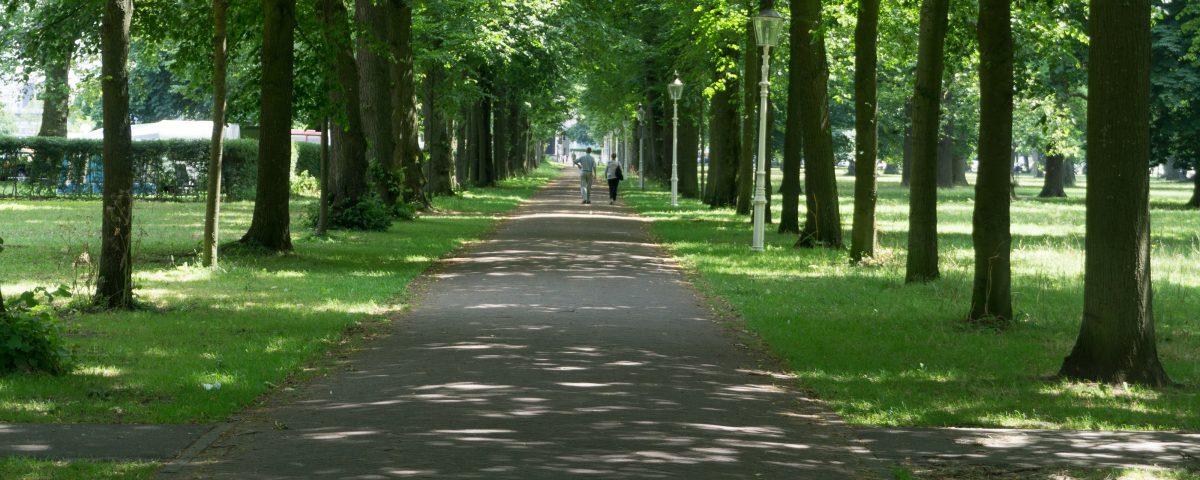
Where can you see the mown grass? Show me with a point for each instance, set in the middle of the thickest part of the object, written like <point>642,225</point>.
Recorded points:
<point>30,469</point>
<point>883,353</point>
<point>247,327</point>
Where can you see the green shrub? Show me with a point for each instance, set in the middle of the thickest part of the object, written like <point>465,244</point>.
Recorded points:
<point>369,214</point>
<point>162,168</point>
<point>305,184</point>
<point>30,337</point>
<point>308,158</point>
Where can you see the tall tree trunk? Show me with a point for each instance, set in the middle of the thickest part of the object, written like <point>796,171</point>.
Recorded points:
<point>723,132</point>
<point>991,300</point>
<point>793,139</point>
<point>323,206</point>
<point>270,227</point>
<point>408,155</point>
<point>866,110</point>
<point>945,152</point>
<point>114,280</point>
<point>437,136</point>
<point>375,85</point>
<point>482,168</point>
<point>1069,177</point>
<point>1053,185</point>
<point>501,124</point>
<point>751,76</point>
<point>906,163</point>
<point>689,147</point>
<point>56,96</point>
<point>349,172</point>
<point>770,156</point>
<point>922,220</point>
<point>212,212</point>
<point>462,169</point>
<point>823,222</point>
<point>1116,340</point>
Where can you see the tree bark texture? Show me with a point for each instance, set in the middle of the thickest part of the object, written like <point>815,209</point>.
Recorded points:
<point>437,136</point>
<point>501,131</point>
<point>1053,187</point>
<point>375,85</point>
<point>823,219</point>
<point>56,96</point>
<point>906,163</point>
<point>462,167</point>
<point>724,137</point>
<point>114,281</point>
<point>1116,340</point>
<point>349,172</point>
<point>945,150</point>
<point>991,299</point>
<point>482,167</point>
<point>866,109</point>
<point>270,228</point>
<point>689,147</point>
<point>212,212</point>
<point>751,75</point>
<point>407,156</point>
<point>793,138</point>
<point>922,220</point>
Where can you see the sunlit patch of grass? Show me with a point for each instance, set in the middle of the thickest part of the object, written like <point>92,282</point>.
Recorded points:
<point>883,353</point>
<point>966,471</point>
<point>248,326</point>
<point>15,468</point>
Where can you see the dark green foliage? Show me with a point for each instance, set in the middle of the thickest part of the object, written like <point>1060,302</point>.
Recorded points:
<point>162,168</point>
<point>308,158</point>
<point>1175,84</point>
<point>368,214</point>
<point>30,338</point>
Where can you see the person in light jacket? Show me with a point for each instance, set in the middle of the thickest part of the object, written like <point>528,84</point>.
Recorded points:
<point>587,173</point>
<point>614,175</point>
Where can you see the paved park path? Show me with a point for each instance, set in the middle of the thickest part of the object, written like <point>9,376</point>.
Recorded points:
<point>566,346</point>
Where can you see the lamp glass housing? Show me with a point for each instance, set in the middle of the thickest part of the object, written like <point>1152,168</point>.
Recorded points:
<point>675,89</point>
<point>641,113</point>
<point>768,26</point>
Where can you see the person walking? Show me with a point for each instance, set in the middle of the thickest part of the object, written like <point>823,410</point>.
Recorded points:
<point>614,175</point>
<point>587,174</point>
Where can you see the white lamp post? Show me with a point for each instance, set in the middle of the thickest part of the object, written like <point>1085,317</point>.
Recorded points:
<point>641,116</point>
<point>767,26</point>
<point>676,91</point>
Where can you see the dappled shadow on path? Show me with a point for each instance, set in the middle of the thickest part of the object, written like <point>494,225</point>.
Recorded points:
<point>564,347</point>
<point>1035,448</point>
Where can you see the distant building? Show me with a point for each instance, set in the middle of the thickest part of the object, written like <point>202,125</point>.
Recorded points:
<point>171,130</point>
<point>21,101</point>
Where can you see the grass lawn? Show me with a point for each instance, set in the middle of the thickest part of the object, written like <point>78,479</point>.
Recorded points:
<point>27,469</point>
<point>248,327</point>
<point>883,353</point>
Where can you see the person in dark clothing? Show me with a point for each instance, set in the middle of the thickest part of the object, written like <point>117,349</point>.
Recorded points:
<point>614,175</point>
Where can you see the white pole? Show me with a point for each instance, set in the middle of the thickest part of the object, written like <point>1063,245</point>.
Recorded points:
<point>675,157</point>
<point>760,189</point>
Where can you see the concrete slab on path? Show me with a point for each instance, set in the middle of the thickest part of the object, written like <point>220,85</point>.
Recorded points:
<point>1033,448</point>
<point>566,346</point>
<point>97,442</point>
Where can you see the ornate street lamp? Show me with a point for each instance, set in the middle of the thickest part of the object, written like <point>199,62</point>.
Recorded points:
<point>676,90</point>
<point>641,116</point>
<point>767,26</point>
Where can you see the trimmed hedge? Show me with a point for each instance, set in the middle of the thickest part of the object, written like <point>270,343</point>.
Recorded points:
<point>48,167</point>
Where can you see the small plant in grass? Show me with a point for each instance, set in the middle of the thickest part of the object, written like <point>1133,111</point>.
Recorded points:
<point>407,211</point>
<point>30,337</point>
